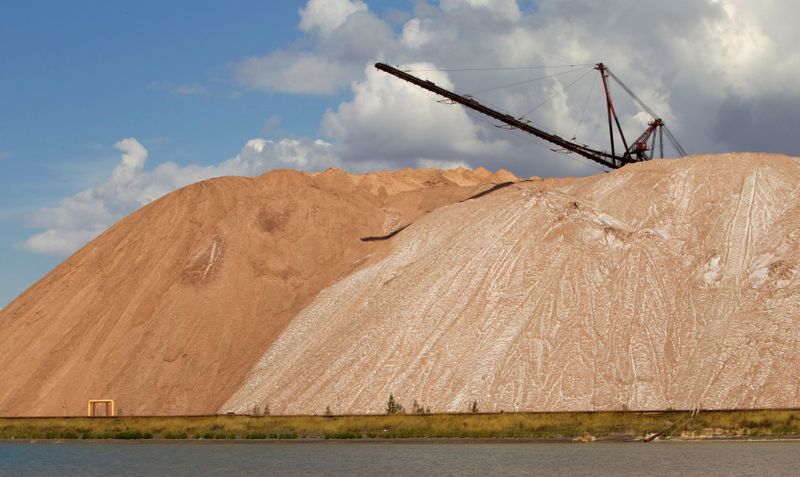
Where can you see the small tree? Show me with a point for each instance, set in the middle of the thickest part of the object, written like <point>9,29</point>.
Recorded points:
<point>265,412</point>
<point>393,406</point>
<point>328,412</point>
<point>256,410</point>
<point>416,408</point>
<point>474,407</point>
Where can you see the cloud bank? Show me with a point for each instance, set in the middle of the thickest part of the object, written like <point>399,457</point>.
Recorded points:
<point>713,69</point>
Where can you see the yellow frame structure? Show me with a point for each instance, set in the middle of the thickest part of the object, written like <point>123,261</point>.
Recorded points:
<point>90,407</point>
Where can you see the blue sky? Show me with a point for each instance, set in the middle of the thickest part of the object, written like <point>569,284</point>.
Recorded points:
<point>105,106</point>
<point>80,75</point>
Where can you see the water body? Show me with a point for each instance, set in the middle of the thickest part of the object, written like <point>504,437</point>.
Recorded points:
<point>392,458</point>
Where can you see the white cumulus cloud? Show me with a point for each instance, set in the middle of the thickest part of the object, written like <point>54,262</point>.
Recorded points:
<point>345,35</point>
<point>78,219</point>
<point>507,9</point>
<point>328,15</point>
<point>394,123</point>
<point>292,72</point>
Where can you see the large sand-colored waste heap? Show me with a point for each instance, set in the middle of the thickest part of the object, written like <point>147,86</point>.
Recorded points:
<point>663,284</point>
<point>168,310</point>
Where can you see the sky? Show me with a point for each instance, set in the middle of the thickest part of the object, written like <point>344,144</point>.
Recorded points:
<point>106,106</point>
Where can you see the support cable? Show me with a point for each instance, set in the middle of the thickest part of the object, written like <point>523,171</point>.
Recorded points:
<point>674,141</point>
<point>518,83</point>
<point>585,106</point>
<point>632,94</point>
<point>557,93</point>
<point>499,68</point>
<point>649,111</point>
<point>534,140</point>
<point>507,127</point>
<point>604,158</point>
<point>568,154</point>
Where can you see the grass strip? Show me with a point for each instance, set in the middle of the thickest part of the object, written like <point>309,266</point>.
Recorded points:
<point>558,425</point>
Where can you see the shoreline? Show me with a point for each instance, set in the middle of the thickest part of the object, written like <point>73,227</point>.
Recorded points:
<point>432,441</point>
<point>565,427</point>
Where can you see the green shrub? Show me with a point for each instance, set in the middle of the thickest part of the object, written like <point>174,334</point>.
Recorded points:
<point>131,434</point>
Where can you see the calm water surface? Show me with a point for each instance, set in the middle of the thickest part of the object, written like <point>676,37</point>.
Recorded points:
<point>390,458</point>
